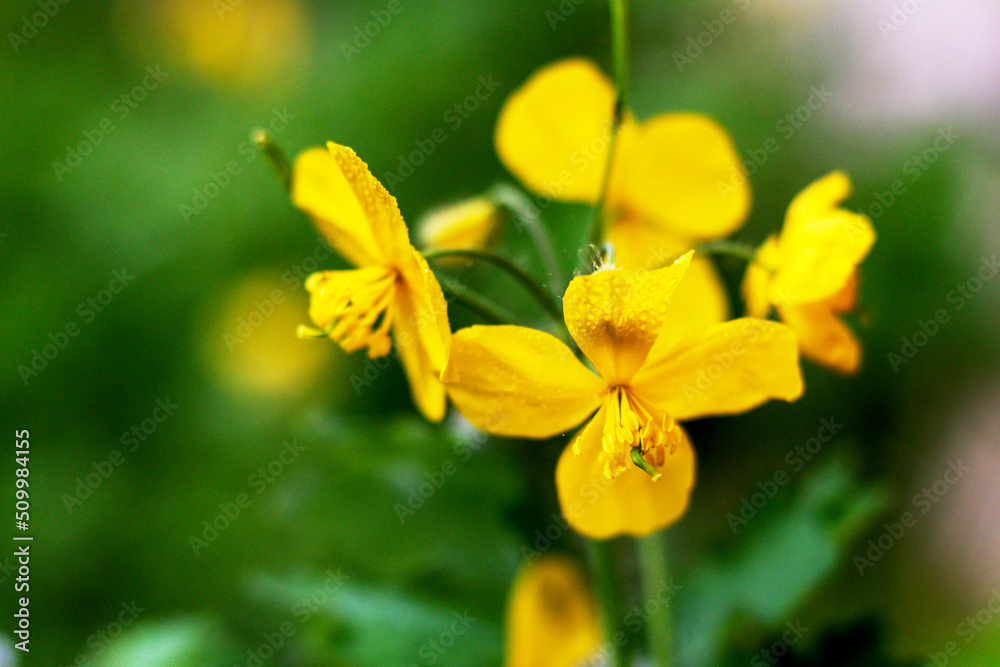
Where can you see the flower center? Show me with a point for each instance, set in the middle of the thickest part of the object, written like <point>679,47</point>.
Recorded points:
<point>635,434</point>
<point>353,307</point>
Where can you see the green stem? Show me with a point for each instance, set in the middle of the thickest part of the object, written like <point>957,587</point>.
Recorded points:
<point>279,161</point>
<point>655,576</point>
<point>609,597</point>
<point>619,46</point>
<point>546,299</point>
<point>736,249</point>
<point>527,215</point>
<point>475,302</point>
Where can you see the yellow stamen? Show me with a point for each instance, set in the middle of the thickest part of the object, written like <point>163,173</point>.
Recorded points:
<point>634,432</point>
<point>354,307</point>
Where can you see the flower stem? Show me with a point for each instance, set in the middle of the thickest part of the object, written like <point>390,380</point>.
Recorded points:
<point>609,596</point>
<point>474,301</point>
<point>730,248</point>
<point>619,46</point>
<point>656,575</point>
<point>527,215</point>
<point>546,299</point>
<point>279,161</point>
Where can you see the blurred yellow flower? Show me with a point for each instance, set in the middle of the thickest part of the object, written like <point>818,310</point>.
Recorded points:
<point>230,42</point>
<point>809,272</point>
<point>551,617</point>
<point>631,467</point>
<point>466,225</point>
<point>676,179</point>
<point>664,193</point>
<point>392,288</point>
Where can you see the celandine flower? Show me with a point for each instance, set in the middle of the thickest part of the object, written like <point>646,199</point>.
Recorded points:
<point>392,288</point>
<point>465,225</point>
<point>551,617</point>
<point>676,178</point>
<point>630,469</point>
<point>809,272</point>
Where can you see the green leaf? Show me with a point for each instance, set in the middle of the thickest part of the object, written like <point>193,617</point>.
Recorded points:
<point>782,556</point>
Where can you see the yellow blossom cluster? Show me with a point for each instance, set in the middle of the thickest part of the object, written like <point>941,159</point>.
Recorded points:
<point>653,341</point>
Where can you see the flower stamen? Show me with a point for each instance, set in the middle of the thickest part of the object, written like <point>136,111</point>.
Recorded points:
<point>635,435</point>
<point>353,308</point>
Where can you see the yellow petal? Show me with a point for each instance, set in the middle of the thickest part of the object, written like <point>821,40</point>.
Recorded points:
<point>423,336</point>
<point>349,206</point>
<point>699,301</point>
<point>730,368</point>
<point>551,616</point>
<point>639,245</point>
<point>515,381</point>
<point>682,174</point>
<point>553,133</point>
<point>757,279</point>
<point>466,225</point>
<point>616,315</point>
<point>823,337</point>
<point>631,503</point>
<point>820,244</point>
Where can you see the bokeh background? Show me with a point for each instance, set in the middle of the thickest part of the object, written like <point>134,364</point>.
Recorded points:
<point>137,215</point>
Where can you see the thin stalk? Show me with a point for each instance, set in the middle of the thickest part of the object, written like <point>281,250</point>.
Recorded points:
<point>527,215</point>
<point>619,47</point>
<point>474,301</point>
<point>609,596</point>
<point>549,302</point>
<point>275,156</point>
<point>736,249</point>
<point>652,551</point>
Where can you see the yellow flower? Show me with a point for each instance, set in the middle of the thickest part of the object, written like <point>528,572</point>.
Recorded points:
<point>676,179</point>
<point>809,272</point>
<point>630,468</point>
<point>466,225</point>
<point>551,617</point>
<point>392,288</point>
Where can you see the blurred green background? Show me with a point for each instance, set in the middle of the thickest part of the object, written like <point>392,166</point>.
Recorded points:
<point>145,242</point>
